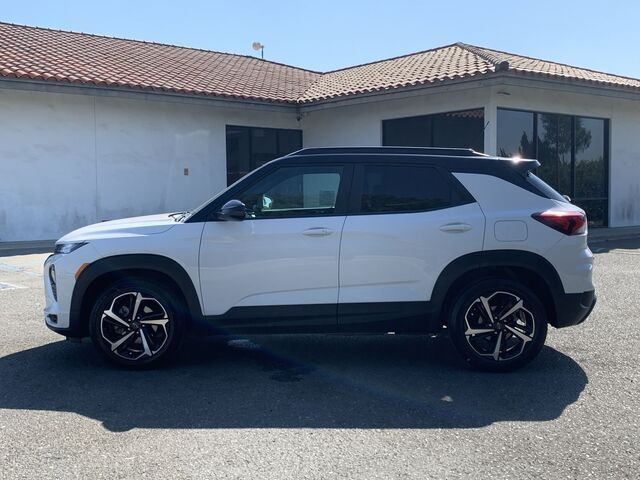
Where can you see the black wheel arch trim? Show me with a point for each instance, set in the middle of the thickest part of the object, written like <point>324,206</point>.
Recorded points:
<point>143,262</point>
<point>488,259</point>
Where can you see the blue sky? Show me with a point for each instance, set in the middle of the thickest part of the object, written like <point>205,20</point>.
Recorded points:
<point>327,34</point>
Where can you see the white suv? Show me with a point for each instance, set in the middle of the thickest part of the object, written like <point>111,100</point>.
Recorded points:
<point>348,240</point>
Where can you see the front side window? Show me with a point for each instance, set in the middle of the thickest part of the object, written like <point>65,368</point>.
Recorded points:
<point>403,188</point>
<point>294,192</point>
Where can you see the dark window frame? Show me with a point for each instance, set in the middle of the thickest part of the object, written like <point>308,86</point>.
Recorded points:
<point>250,129</point>
<point>606,153</point>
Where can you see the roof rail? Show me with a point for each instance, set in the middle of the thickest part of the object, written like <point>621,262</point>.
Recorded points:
<point>445,152</point>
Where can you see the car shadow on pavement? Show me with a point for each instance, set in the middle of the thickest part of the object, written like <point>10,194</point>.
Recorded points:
<point>291,382</point>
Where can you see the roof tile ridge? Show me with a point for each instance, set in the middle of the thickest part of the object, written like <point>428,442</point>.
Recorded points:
<point>499,62</point>
<point>321,75</point>
<point>383,60</point>
<point>562,64</point>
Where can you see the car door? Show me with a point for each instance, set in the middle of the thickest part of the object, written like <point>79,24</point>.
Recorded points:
<point>406,222</point>
<point>278,268</point>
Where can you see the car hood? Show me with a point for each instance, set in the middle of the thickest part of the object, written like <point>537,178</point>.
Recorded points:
<point>125,227</point>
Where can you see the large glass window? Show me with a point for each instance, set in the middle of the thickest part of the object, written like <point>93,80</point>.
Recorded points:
<point>515,134</point>
<point>294,192</point>
<point>463,129</point>
<point>403,188</point>
<point>572,151</point>
<point>554,150</point>
<point>249,148</point>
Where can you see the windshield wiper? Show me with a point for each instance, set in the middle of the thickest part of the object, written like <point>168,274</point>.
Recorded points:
<point>178,216</point>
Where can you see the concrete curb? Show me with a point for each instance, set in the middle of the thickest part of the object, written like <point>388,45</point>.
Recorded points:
<point>604,235</point>
<point>26,248</point>
<point>27,244</point>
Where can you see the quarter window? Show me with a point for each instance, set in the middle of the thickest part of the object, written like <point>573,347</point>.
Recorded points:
<point>294,192</point>
<point>400,188</point>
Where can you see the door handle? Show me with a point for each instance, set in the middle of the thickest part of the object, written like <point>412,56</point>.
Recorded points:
<point>456,227</point>
<point>317,232</point>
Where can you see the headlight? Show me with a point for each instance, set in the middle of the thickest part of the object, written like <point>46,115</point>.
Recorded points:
<point>68,247</point>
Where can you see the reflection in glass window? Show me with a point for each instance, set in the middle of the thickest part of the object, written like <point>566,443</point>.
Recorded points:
<point>463,129</point>
<point>249,148</point>
<point>554,151</point>
<point>573,152</point>
<point>515,134</point>
<point>590,166</point>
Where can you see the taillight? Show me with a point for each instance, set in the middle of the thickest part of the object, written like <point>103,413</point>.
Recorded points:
<point>569,223</point>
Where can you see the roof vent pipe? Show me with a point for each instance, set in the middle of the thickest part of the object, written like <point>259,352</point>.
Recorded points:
<point>502,66</point>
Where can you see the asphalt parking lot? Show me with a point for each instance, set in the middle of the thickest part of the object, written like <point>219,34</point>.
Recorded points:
<point>325,406</point>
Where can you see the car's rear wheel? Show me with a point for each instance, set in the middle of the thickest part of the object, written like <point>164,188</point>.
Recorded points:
<point>134,323</point>
<point>498,324</point>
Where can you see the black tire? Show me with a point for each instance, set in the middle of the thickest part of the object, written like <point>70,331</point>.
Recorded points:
<point>148,338</point>
<point>469,324</point>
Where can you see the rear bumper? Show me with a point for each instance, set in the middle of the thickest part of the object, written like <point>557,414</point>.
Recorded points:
<point>573,308</point>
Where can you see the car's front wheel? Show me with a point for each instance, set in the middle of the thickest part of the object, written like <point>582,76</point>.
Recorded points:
<point>134,323</point>
<point>498,324</point>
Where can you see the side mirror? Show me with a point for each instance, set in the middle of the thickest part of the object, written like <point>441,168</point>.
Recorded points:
<point>232,210</point>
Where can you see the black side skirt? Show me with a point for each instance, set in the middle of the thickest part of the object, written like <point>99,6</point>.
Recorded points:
<point>399,317</point>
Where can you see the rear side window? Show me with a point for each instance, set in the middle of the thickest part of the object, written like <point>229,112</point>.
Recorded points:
<point>403,188</point>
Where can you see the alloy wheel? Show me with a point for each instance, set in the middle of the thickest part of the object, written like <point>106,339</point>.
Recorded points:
<point>499,326</point>
<point>135,326</point>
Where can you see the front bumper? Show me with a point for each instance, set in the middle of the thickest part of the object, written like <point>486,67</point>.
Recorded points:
<point>58,305</point>
<point>573,308</point>
<point>55,317</point>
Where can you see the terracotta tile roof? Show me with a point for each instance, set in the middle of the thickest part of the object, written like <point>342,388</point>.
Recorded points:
<point>520,63</point>
<point>451,62</point>
<point>428,67</point>
<point>78,58</point>
<point>43,54</point>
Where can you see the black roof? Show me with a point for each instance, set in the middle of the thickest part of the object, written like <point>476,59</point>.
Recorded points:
<point>454,159</point>
<point>455,152</point>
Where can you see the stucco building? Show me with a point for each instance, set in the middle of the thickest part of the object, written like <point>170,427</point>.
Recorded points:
<point>94,128</point>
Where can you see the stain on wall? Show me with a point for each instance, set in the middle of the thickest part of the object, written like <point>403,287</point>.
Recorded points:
<point>628,208</point>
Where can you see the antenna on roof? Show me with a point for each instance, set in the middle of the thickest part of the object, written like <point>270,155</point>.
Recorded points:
<point>258,46</point>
